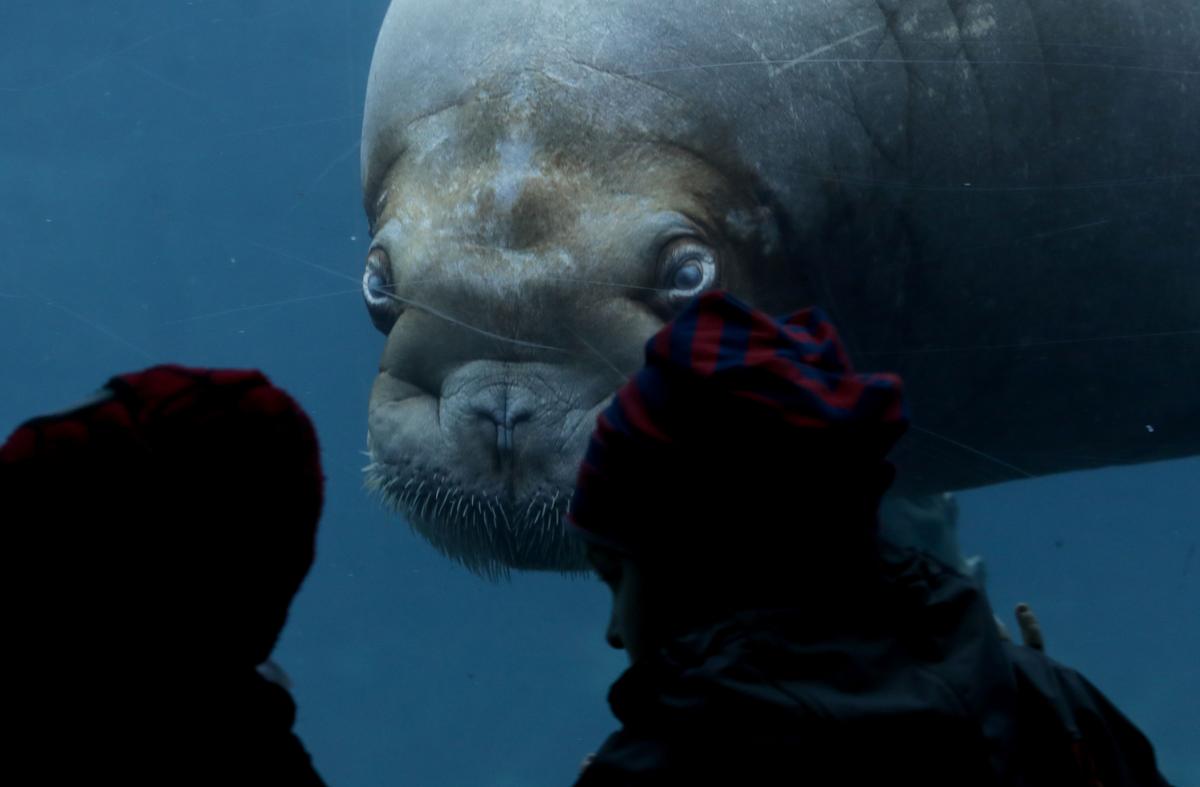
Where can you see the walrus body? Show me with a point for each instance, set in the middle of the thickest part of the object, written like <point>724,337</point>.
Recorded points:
<point>998,200</point>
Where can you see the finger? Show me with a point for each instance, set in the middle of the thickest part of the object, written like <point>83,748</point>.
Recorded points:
<point>1004,635</point>
<point>274,673</point>
<point>1031,630</point>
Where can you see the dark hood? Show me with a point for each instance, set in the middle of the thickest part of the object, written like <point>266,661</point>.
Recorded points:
<point>910,678</point>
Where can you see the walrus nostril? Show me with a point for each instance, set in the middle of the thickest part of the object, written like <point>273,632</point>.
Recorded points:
<point>504,417</point>
<point>510,426</point>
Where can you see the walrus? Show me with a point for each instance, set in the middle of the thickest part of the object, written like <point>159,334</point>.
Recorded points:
<point>999,200</point>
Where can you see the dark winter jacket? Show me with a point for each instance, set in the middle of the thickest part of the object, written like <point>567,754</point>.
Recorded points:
<point>911,686</point>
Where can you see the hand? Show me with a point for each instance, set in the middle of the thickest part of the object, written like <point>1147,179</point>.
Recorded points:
<point>1031,630</point>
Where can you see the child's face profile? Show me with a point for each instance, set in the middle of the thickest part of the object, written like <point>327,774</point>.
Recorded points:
<point>631,624</point>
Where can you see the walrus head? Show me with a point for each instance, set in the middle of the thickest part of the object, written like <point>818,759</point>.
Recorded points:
<point>519,262</point>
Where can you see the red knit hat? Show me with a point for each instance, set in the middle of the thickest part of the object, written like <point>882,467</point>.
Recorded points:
<point>178,491</point>
<point>740,417</point>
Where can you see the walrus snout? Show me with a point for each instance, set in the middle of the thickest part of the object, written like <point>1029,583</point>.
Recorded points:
<point>501,409</point>
<point>477,442</point>
<point>510,420</point>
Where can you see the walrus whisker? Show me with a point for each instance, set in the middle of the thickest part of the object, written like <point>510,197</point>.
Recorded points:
<point>301,261</point>
<point>473,508</point>
<point>621,376</point>
<point>1017,240</point>
<point>483,332</point>
<point>553,507</point>
<point>160,79</point>
<point>468,508</point>
<point>577,279</point>
<point>321,121</point>
<point>916,61</point>
<point>478,530</point>
<point>995,459</point>
<point>424,504</point>
<point>485,518</point>
<point>1035,343</point>
<point>256,306</point>
<point>603,283</point>
<point>324,173</point>
<point>934,188</point>
<point>107,56</point>
<point>489,526</point>
<point>99,328</point>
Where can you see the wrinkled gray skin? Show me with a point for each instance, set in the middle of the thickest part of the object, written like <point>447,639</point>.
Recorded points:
<point>998,200</point>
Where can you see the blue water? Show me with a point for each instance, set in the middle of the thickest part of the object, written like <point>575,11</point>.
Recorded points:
<point>179,181</point>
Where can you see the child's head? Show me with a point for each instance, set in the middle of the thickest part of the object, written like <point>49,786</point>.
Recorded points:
<point>172,518</point>
<point>741,467</point>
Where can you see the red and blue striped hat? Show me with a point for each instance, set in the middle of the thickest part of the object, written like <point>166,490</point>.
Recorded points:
<point>733,406</point>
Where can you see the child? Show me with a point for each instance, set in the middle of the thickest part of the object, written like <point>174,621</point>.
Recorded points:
<point>729,498</point>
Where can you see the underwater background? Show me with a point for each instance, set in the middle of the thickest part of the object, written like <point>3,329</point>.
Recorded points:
<point>179,182</point>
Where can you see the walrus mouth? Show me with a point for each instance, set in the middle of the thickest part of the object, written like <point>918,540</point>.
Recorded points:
<point>490,533</point>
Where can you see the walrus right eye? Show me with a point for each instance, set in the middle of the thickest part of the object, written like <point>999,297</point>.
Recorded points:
<point>377,287</point>
<point>689,268</point>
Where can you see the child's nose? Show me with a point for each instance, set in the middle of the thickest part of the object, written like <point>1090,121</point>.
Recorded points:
<point>613,637</point>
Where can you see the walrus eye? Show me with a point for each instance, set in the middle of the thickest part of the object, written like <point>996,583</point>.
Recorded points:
<point>689,276</point>
<point>689,268</point>
<point>377,288</point>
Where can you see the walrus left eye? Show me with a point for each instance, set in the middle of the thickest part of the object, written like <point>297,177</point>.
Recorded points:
<point>377,287</point>
<point>689,268</point>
